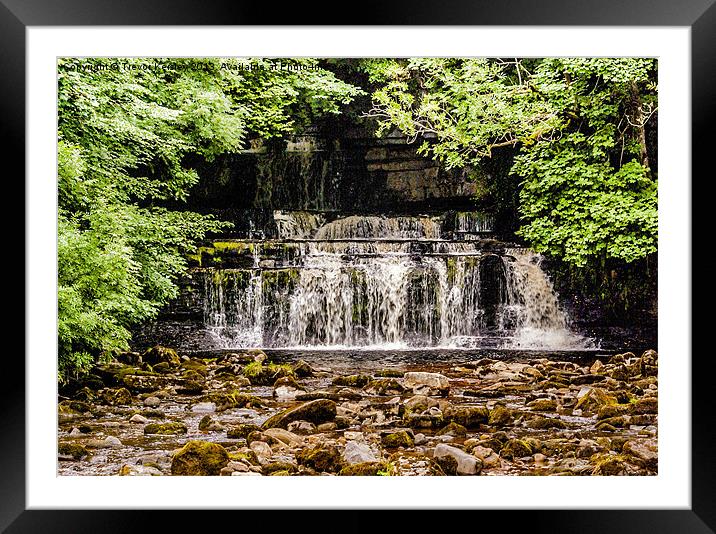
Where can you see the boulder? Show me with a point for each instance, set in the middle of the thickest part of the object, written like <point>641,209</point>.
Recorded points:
<point>316,412</point>
<point>426,383</point>
<point>322,458</point>
<point>199,458</point>
<point>357,453</point>
<point>467,464</point>
<point>467,416</point>
<point>158,354</point>
<point>397,439</point>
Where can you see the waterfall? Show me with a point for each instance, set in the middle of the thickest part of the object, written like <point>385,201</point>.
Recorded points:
<point>369,281</point>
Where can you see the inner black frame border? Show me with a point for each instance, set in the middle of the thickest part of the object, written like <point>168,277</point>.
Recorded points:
<point>699,15</point>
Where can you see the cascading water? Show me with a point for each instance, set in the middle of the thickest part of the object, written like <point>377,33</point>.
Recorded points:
<point>388,282</point>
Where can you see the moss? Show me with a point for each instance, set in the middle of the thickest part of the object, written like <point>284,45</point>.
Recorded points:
<point>205,423</point>
<point>72,450</point>
<point>266,375</point>
<point>515,448</point>
<point>414,420</point>
<point>196,366</point>
<point>356,381</point>
<point>192,375</point>
<point>322,458</point>
<point>73,406</point>
<point>279,279</point>
<point>500,415</point>
<point>166,429</point>
<point>545,423</point>
<point>612,410</point>
<point>543,405</point>
<point>609,464</point>
<point>367,469</point>
<point>398,439</point>
<point>274,468</point>
<point>467,416</point>
<point>199,458</point>
<point>159,354</point>
<point>241,431</point>
<point>247,454</point>
<point>647,405</point>
<point>116,397</point>
<point>189,387</point>
<point>225,400</point>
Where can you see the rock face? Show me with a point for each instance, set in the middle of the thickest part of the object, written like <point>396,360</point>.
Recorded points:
<point>466,463</point>
<point>316,412</point>
<point>199,458</point>
<point>427,383</point>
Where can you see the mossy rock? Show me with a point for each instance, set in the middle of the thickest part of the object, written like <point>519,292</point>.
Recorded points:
<point>500,415</point>
<point>207,424</point>
<point>265,375</point>
<point>545,423</point>
<point>189,387</point>
<point>225,400</point>
<point>646,405</point>
<point>397,439</point>
<point>158,354</point>
<point>594,399</point>
<point>116,397</point>
<point>166,429</point>
<point>71,451</point>
<point>241,431</point>
<point>323,458</point>
<point>612,410</point>
<point>190,374</point>
<point>384,386</point>
<point>609,465</point>
<point>302,370</point>
<point>246,454</point>
<point>515,448</point>
<point>287,381</point>
<point>199,458</point>
<point>162,368</point>
<point>277,467</point>
<point>196,366</point>
<point>74,406</point>
<point>447,465</point>
<point>423,420</point>
<point>280,473</point>
<point>453,429</point>
<point>467,416</point>
<point>316,412</point>
<point>354,381</point>
<point>365,469</point>
<point>543,405</point>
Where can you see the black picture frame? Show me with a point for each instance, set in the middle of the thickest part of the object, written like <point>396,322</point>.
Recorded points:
<point>699,15</point>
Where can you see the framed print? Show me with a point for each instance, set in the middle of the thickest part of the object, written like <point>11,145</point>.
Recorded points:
<point>439,260</point>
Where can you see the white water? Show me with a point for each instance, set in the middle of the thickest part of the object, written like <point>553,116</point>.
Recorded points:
<point>362,283</point>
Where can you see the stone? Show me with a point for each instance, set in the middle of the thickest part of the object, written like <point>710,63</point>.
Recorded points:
<point>545,423</point>
<point>384,386</point>
<point>453,429</point>
<point>112,441</point>
<point>317,412</point>
<point>322,457</point>
<point>356,453</point>
<point>116,397</point>
<point>515,448</point>
<point>302,370</point>
<point>158,354</point>
<point>489,457</point>
<point>204,407</point>
<point>398,439</point>
<point>242,431</point>
<point>152,402</point>
<point>207,424</point>
<point>642,453</point>
<point>138,419</point>
<point>467,416</point>
<point>355,381</point>
<point>284,436</point>
<point>301,427</point>
<point>646,405</point>
<point>71,451</point>
<point>139,471</point>
<point>199,458</point>
<point>166,429</point>
<point>500,415</point>
<point>543,405</point>
<point>419,404</point>
<point>262,449</point>
<point>370,469</point>
<point>426,383</point>
<point>467,464</point>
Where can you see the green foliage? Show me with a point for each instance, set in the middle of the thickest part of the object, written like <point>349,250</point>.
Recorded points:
<point>577,127</point>
<point>125,129</point>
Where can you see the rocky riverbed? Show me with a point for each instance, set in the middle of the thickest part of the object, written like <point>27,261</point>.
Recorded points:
<point>242,414</point>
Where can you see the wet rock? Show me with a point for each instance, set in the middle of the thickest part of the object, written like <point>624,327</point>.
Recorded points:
<point>199,458</point>
<point>129,358</point>
<point>468,416</point>
<point>466,464</point>
<point>419,404</point>
<point>71,451</point>
<point>317,412</point>
<point>326,427</point>
<point>318,394</point>
<point>545,423</point>
<point>138,419</point>
<point>301,427</point>
<point>369,469</point>
<point>286,388</point>
<point>612,410</point>
<point>515,448</point>
<point>543,405</point>
<point>262,449</point>
<point>207,424</point>
<point>74,406</point>
<point>609,465</point>
<point>204,407</point>
<point>424,420</point>
<point>500,415</point>
<point>355,381</point>
<point>278,469</point>
<point>225,400</point>
<point>384,386</point>
<point>152,402</point>
<point>112,441</point>
<point>158,354</point>
<point>591,399</point>
<point>452,429</point>
<point>642,453</point>
<point>649,363</point>
<point>139,471</point>
<point>646,405</point>
<point>322,458</point>
<point>489,457</point>
<point>166,429</point>
<point>242,431</point>
<point>266,375</point>
<point>596,367</point>
<point>358,453</point>
<point>302,370</point>
<point>189,387</point>
<point>116,397</point>
<point>427,383</point>
<point>397,439</point>
<point>284,436</point>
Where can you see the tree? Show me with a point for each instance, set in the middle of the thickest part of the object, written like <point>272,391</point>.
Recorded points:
<point>125,129</point>
<point>577,128</point>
